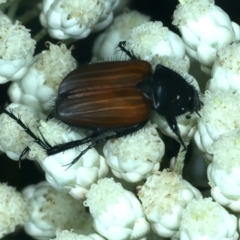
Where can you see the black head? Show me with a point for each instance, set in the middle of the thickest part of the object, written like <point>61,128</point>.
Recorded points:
<point>172,96</point>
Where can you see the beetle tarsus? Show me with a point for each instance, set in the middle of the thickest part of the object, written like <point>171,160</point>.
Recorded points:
<point>25,151</point>
<point>130,54</point>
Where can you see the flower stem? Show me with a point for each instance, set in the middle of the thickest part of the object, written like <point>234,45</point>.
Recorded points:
<point>29,15</point>
<point>12,10</point>
<point>41,34</point>
<point>69,41</point>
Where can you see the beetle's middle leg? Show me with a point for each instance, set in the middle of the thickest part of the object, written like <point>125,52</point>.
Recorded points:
<point>110,134</point>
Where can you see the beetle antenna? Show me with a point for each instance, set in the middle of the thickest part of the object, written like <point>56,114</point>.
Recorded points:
<point>130,54</point>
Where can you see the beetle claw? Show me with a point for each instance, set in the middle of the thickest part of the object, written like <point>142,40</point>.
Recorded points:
<point>172,122</point>
<point>25,150</point>
<point>130,54</point>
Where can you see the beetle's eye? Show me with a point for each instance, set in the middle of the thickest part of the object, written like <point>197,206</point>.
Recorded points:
<point>188,116</point>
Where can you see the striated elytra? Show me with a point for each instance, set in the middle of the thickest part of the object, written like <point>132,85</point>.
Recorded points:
<point>103,95</point>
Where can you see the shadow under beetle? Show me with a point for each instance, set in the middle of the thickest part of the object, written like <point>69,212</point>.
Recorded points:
<point>115,99</point>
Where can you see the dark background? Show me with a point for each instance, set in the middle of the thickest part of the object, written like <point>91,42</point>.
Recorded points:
<point>161,10</point>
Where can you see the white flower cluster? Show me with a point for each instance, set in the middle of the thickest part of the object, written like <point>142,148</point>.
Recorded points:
<point>218,128</point>
<point>225,71</point>
<point>205,219</point>
<point>77,18</point>
<point>46,205</point>
<point>117,213</point>
<point>164,198</point>
<point>105,46</point>
<point>125,159</point>
<point>151,41</point>
<point>223,172</point>
<point>16,50</point>
<point>205,28</point>
<point>218,117</point>
<point>217,135</point>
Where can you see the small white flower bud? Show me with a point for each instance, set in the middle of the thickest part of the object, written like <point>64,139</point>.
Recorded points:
<point>14,209</point>
<point>105,46</point>
<point>134,156</point>
<point>202,42</point>
<point>205,219</point>
<point>16,51</point>
<point>151,41</point>
<point>117,213</point>
<point>164,197</point>
<point>226,72</point>
<point>218,116</point>
<point>77,18</point>
<point>50,210</point>
<point>223,171</point>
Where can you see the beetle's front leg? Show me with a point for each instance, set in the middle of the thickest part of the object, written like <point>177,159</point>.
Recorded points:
<point>172,122</point>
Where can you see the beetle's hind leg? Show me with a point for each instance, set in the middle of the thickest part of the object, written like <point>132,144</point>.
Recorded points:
<point>110,134</point>
<point>44,144</point>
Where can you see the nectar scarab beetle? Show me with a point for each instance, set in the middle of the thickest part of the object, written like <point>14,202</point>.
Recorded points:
<point>116,98</point>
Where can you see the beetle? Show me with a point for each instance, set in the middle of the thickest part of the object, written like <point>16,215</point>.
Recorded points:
<point>116,98</point>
